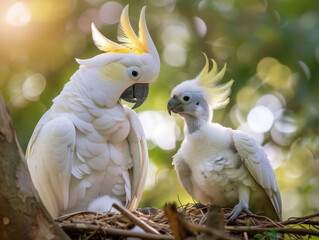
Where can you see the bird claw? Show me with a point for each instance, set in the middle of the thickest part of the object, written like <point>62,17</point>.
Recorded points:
<point>236,211</point>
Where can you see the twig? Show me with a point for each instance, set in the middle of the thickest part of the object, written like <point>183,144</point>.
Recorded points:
<point>135,219</point>
<point>208,230</point>
<point>277,224</point>
<point>91,235</point>
<point>298,231</point>
<point>246,236</point>
<point>113,231</point>
<point>306,217</point>
<point>300,221</point>
<point>66,216</point>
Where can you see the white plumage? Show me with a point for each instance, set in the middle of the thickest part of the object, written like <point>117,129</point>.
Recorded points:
<point>218,165</point>
<point>88,148</point>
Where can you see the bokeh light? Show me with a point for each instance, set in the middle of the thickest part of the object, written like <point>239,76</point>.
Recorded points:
<point>87,17</point>
<point>51,11</point>
<point>257,136</point>
<point>33,86</point>
<point>223,5</point>
<point>175,38</point>
<point>200,26</point>
<point>160,128</point>
<point>151,175</point>
<point>18,15</point>
<point>273,73</point>
<point>292,200</point>
<point>174,55</point>
<point>260,119</point>
<point>272,102</point>
<point>110,12</point>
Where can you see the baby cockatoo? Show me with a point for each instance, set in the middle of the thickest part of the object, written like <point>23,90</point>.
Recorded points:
<point>88,151</point>
<point>219,165</point>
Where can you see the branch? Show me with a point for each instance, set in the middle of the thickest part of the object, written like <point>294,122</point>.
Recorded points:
<point>301,220</point>
<point>22,213</point>
<point>113,231</point>
<point>299,231</point>
<point>135,219</point>
<point>179,225</point>
<point>208,230</point>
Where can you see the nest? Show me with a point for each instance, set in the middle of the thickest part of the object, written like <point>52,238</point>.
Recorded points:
<point>185,222</point>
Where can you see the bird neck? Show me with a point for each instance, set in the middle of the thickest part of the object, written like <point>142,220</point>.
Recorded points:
<point>194,123</point>
<point>88,85</point>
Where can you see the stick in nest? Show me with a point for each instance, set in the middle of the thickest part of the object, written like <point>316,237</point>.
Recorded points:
<point>135,219</point>
<point>113,231</point>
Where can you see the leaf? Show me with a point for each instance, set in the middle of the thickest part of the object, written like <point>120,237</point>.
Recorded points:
<point>259,236</point>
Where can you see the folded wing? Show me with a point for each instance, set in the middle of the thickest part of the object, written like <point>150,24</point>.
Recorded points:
<point>50,165</point>
<point>259,167</point>
<point>139,154</point>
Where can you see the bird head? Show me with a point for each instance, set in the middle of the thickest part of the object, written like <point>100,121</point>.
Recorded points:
<point>126,69</point>
<point>197,97</point>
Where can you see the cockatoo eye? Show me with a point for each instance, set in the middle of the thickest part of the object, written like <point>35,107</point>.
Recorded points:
<point>186,98</point>
<point>134,72</point>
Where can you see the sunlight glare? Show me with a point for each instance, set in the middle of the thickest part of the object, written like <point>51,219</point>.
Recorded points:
<point>33,86</point>
<point>200,26</point>
<point>260,119</point>
<point>18,15</point>
<point>257,136</point>
<point>160,129</point>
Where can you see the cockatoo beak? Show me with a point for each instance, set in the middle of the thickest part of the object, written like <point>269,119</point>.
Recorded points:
<point>174,105</point>
<point>136,93</point>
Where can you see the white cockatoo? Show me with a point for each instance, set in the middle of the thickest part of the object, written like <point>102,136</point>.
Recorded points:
<point>88,150</point>
<point>219,165</point>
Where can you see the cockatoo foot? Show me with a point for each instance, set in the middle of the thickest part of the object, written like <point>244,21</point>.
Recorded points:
<point>104,204</point>
<point>240,207</point>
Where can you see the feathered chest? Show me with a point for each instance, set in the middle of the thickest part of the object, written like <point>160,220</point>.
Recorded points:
<point>112,123</point>
<point>208,143</point>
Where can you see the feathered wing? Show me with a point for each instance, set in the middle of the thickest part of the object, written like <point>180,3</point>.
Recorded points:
<point>184,173</point>
<point>139,154</point>
<point>259,167</point>
<point>49,157</point>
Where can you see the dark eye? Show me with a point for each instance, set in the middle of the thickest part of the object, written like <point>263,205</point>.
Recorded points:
<point>186,97</point>
<point>134,72</point>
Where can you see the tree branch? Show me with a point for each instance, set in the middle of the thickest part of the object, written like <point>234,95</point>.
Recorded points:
<point>21,212</point>
<point>299,231</point>
<point>113,231</point>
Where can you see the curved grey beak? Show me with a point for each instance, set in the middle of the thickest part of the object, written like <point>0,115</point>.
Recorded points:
<point>136,93</point>
<point>174,105</point>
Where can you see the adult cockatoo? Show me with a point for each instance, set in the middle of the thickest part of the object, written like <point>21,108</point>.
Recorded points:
<point>219,165</point>
<point>88,151</point>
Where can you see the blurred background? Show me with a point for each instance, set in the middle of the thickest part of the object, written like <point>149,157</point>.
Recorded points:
<point>271,49</point>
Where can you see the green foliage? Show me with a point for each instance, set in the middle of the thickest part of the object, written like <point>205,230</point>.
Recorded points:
<point>272,235</point>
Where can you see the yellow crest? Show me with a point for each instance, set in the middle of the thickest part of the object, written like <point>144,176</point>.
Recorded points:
<point>131,43</point>
<point>210,79</point>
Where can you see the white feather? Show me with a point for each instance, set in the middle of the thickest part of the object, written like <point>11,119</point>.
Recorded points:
<point>211,171</point>
<point>104,204</point>
<point>76,158</point>
<point>87,145</point>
